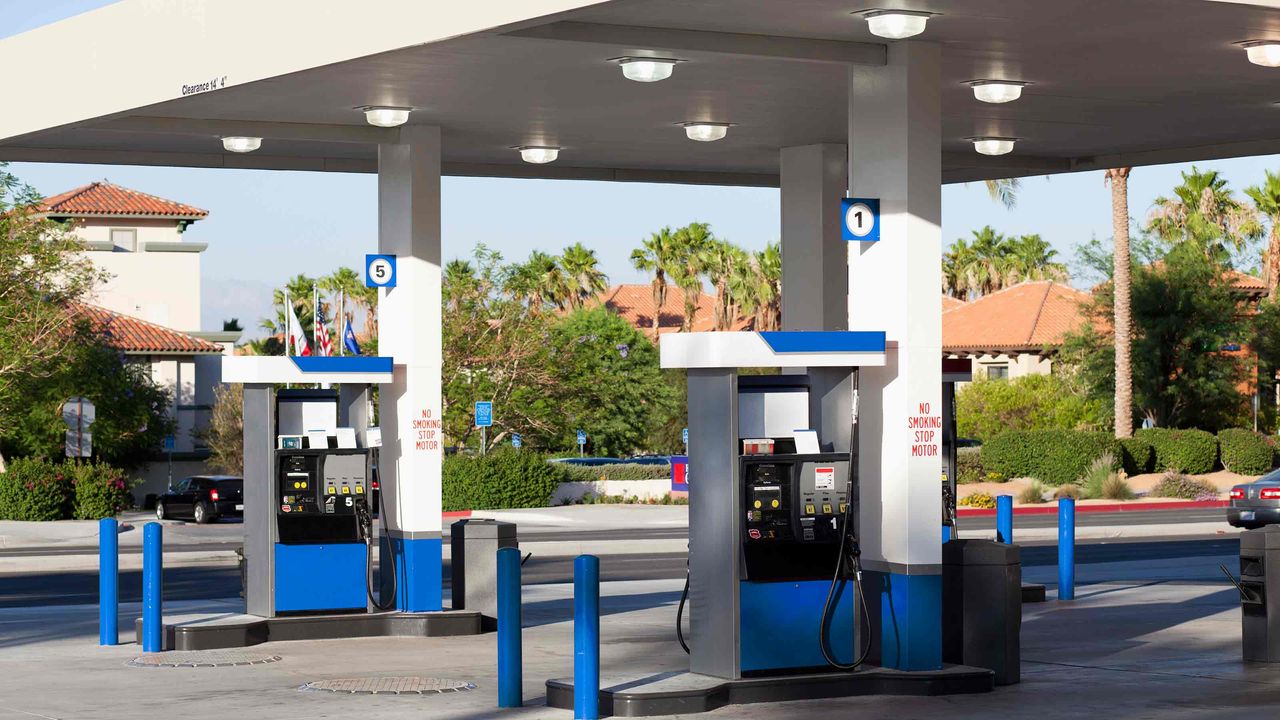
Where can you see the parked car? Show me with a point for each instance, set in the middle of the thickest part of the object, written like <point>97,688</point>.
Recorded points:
<point>203,498</point>
<point>1257,503</point>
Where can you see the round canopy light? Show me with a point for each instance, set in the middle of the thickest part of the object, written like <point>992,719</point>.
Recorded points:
<point>646,69</point>
<point>386,116</point>
<point>997,91</point>
<point>706,131</point>
<point>538,154</point>
<point>896,24</point>
<point>240,144</point>
<point>1263,52</point>
<point>993,145</point>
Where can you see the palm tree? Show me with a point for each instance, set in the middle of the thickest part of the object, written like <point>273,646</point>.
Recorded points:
<point>539,282</point>
<point>459,283</point>
<point>1204,211</point>
<point>768,263</point>
<point>1004,191</point>
<point>655,255</point>
<point>1031,258</point>
<point>346,281</point>
<point>1118,178</point>
<point>721,261</point>
<point>299,289</point>
<point>692,241</point>
<point>1266,198</point>
<point>582,276</point>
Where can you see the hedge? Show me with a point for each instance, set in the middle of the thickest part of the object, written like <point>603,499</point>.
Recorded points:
<point>1056,457</point>
<point>1136,455</point>
<point>617,471</point>
<point>505,478</point>
<point>969,466</point>
<point>1188,451</point>
<point>39,490</point>
<point>1245,452</point>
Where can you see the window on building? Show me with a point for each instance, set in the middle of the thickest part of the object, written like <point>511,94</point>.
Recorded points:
<point>997,372</point>
<point>125,239</point>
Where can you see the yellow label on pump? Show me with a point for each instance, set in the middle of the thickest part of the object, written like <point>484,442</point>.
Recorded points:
<point>346,490</point>
<point>359,489</point>
<point>775,503</point>
<point>333,490</point>
<point>758,505</point>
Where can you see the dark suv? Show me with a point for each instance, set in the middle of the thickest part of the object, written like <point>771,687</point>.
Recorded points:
<point>203,498</point>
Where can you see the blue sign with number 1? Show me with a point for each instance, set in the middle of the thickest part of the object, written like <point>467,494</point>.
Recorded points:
<point>860,219</point>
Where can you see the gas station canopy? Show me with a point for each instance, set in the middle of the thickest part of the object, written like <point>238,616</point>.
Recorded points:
<point>1112,82</point>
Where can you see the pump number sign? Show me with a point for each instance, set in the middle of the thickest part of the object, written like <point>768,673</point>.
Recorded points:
<point>380,271</point>
<point>860,219</point>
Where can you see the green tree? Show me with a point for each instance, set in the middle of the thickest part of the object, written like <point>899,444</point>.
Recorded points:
<point>723,263</point>
<point>686,270</point>
<point>348,284</point>
<point>1029,257</point>
<point>1004,191</point>
<point>1185,318</point>
<point>656,255</point>
<point>43,277</point>
<point>132,410</point>
<point>1266,200</point>
<point>582,276</point>
<point>1204,212</point>
<point>615,390</point>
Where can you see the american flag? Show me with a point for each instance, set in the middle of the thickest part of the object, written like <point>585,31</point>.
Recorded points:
<point>324,347</point>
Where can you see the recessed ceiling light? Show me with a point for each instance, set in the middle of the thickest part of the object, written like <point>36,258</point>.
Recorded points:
<point>997,91</point>
<point>1263,52</point>
<point>538,154</point>
<point>382,116</point>
<point>705,131</point>
<point>993,145</point>
<point>895,24</point>
<point>646,69</point>
<point>241,144</point>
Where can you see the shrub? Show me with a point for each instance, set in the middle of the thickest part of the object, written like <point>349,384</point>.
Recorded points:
<point>1115,487</point>
<point>35,490</point>
<point>978,500</point>
<point>100,491</point>
<point>1136,455</point>
<point>1096,476</point>
<point>1186,451</point>
<point>505,478</point>
<point>1055,457</point>
<point>616,471</point>
<point>1032,494</point>
<point>1185,487</point>
<point>986,408</point>
<point>969,466</point>
<point>1245,452</point>
<point>1069,490</point>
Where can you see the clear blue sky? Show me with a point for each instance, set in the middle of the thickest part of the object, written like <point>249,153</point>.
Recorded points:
<point>265,226</point>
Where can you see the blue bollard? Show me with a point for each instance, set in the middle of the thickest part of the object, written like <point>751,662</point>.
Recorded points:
<point>586,637</point>
<point>510,659</point>
<point>1004,519</point>
<point>152,549</point>
<point>108,582</point>
<point>1066,549</point>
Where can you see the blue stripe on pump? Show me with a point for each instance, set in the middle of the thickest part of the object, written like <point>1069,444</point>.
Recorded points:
<point>851,341</point>
<point>342,364</point>
<point>909,630</point>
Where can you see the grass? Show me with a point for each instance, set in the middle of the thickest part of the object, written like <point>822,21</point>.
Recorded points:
<point>1032,494</point>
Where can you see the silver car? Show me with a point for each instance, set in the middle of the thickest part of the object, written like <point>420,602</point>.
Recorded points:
<point>1257,503</point>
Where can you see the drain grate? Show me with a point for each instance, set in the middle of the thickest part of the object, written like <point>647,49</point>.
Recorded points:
<point>389,686</point>
<point>203,658</point>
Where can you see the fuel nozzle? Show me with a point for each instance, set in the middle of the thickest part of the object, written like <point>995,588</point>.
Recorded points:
<point>364,518</point>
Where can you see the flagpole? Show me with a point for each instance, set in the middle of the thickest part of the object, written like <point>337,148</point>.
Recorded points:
<point>342,322</point>
<point>288,331</point>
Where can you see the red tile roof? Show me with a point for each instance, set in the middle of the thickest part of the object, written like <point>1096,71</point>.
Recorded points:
<point>635,304</point>
<point>103,199</point>
<point>1246,283</point>
<point>951,303</point>
<point>1028,316</point>
<point>133,335</point>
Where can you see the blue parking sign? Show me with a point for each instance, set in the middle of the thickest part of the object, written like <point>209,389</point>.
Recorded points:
<point>684,434</point>
<point>516,440</point>
<point>484,413</point>
<point>582,438</point>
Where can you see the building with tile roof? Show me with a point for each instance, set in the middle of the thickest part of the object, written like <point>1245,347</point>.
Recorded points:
<point>149,307</point>
<point>635,304</point>
<point>1012,332</point>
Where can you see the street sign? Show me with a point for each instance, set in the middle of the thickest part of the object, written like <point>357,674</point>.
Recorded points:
<point>484,413</point>
<point>860,219</point>
<point>516,440</point>
<point>380,271</point>
<point>684,435</point>
<point>582,438</point>
<point>169,442</point>
<point>79,413</point>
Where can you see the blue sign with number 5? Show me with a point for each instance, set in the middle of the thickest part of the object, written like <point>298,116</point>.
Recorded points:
<point>380,271</point>
<point>860,219</point>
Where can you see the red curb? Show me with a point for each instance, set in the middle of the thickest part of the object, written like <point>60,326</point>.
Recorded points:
<point>1109,507</point>
<point>457,514</point>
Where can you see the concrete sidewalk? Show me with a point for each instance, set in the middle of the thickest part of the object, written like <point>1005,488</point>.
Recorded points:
<point>1144,640</point>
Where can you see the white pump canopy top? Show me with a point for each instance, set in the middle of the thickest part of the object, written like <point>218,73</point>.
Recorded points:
<point>708,350</point>
<point>276,369</point>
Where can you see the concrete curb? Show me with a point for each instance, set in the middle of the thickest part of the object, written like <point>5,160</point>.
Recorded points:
<point>1052,508</point>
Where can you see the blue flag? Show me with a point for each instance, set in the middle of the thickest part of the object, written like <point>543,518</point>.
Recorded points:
<point>349,341</point>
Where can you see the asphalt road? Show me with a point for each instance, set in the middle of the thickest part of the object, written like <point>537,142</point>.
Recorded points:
<point>210,582</point>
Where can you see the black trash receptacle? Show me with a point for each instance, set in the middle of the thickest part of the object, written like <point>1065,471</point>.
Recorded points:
<point>1260,594</point>
<point>982,607</point>
<point>474,545</point>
